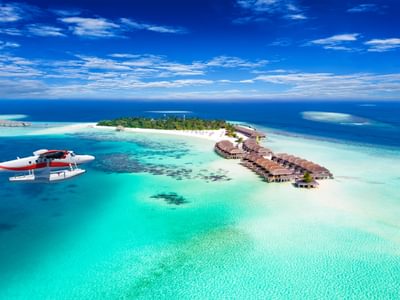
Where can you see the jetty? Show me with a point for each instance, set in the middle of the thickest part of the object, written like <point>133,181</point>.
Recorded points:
<point>7,123</point>
<point>272,167</point>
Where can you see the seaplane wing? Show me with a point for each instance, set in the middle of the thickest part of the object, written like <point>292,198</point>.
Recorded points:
<point>40,166</point>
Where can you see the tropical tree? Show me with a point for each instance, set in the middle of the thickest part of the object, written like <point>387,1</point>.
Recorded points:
<point>307,177</point>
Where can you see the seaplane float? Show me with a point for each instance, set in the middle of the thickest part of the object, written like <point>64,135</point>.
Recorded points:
<point>47,166</point>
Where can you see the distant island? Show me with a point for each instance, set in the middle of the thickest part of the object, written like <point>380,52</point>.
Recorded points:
<point>170,123</point>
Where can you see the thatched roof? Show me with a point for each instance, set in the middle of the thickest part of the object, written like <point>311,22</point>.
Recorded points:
<point>250,132</point>
<point>302,163</point>
<point>270,166</point>
<point>252,145</point>
<point>228,147</point>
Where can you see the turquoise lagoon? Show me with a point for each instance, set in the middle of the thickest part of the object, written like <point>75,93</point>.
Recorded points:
<point>110,234</point>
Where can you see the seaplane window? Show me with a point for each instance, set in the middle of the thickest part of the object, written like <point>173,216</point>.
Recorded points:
<point>30,162</point>
<point>72,154</point>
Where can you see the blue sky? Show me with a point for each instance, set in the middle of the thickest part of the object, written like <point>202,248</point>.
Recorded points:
<point>200,49</point>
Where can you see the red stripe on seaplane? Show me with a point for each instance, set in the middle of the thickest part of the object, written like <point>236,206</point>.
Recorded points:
<point>58,164</point>
<point>35,166</point>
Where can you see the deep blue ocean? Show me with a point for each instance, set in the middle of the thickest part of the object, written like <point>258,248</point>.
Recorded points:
<point>282,116</point>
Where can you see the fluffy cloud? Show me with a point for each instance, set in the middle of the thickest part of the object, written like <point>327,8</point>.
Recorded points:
<point>152,76</point>
<point>329,85</point>
<point>383,45</point>
<point>336,42</point>
<point>13,12</point>
<point>235,62</point>
<point>366,7</point>
<point>91,27</point>
<point>103,28</point>
<point>44,30</point>
<point>4,45</point>
<point>132,24</point>
<point>287,9</point>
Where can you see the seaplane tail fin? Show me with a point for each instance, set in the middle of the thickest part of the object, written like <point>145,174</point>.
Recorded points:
<point>40,151</point>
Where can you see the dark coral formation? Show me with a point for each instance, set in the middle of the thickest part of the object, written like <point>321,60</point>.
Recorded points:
<point>124,163</point>
<point>7,226</point>
<point>170,198</point>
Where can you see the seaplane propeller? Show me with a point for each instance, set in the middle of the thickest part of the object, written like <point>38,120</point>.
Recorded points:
<point>47,166</point>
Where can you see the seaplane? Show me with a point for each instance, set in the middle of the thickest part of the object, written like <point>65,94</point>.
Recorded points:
<point>47,166</point>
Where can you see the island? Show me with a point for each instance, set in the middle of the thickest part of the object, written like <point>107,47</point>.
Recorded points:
<point>169,123</point>
<point>233,141</point>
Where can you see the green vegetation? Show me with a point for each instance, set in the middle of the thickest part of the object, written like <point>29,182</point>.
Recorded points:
<point>240,140</point>
<point>307,177</point>
<point>230,130</point>
<point>174,123</point>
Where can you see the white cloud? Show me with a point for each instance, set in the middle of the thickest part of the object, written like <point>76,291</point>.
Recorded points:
<point>288,9</point>
<point>132,24</point>
<point>365,7</point>
<point>10,12</point>
<point>24,88</point>
<point>66,12</point>
<point>11,31</point>
<point>325,85</point>
<point>260,5</point>
<point>171,84</point>
<point>4,45</point>
<point>44,30</point>
<point>234,62</point>
<point>383,45</point>
<point>296,17</point>
<point>336,42</point>
<point>103,28</point>
<point>128,75</point>
<point>12,67</point>
<point>13,11</point>
<point>92,27</point>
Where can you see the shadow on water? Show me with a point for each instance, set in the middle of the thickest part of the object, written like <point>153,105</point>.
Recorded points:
<point>7,227</point>
<point>171,198</point>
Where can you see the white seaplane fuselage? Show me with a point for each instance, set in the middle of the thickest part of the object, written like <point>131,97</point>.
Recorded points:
<point>40,165</point>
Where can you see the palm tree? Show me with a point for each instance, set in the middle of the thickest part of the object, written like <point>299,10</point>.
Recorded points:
<point>307,177</point>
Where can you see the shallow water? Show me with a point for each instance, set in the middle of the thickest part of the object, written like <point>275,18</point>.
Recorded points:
<point>106,235</point>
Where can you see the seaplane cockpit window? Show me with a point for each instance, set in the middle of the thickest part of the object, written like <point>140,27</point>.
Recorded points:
<point>72,154</point>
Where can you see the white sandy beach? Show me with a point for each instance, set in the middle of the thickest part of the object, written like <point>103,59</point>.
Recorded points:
<point>212,135</point>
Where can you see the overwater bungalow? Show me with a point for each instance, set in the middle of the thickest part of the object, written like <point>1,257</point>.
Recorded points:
<point>251,146</point>
<point>307,185</point>
<point>268,169</point>
<point>249,132</point>
<point>227,150</point>
<point>301,166</point>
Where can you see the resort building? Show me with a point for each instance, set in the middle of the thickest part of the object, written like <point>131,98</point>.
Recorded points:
<point>268,169</point>
<point>251,146</point>
<point>300,166</point>
<point>280,167</point>
<point>249,132</point>
<point>228,150</point>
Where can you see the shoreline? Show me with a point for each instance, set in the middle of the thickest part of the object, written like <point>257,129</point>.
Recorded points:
<point>211,135</point>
